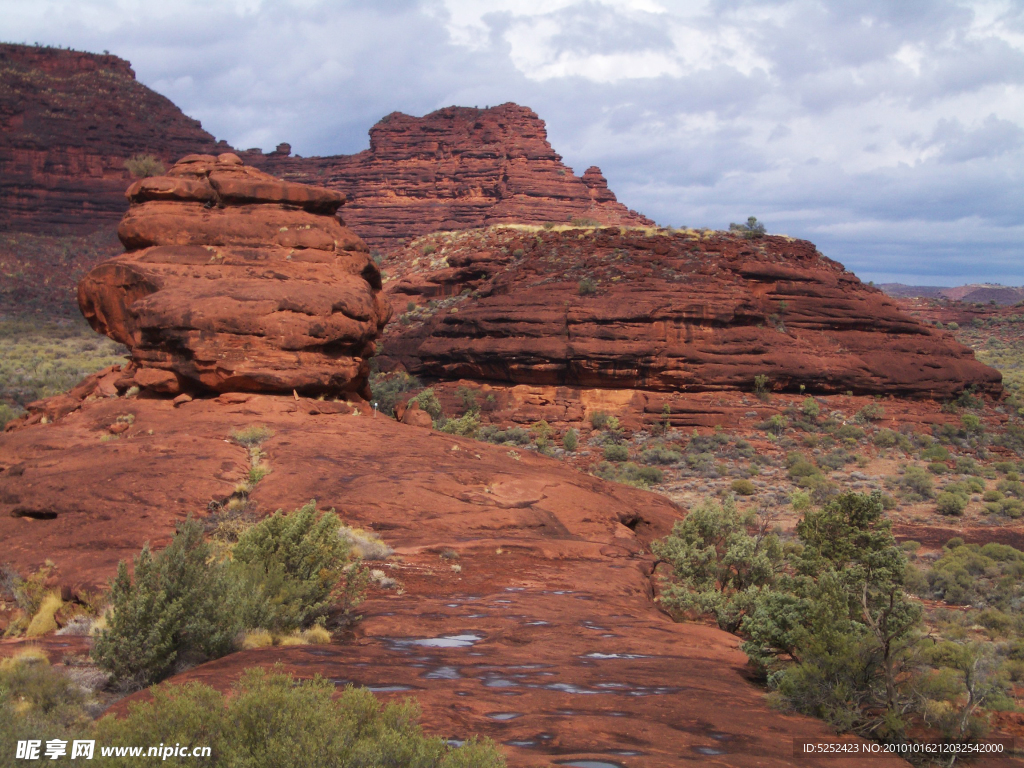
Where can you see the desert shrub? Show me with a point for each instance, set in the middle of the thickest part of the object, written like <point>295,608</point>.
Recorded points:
<point>629,473</point>
<point>752,229</point>
<point>142,166</point>
<point>466,425</point>
<point>587,287</point>
<point>294,570</point>
<point>616,452</point>
<point>387,388</point>
<point>743,488</point>
<point>718,568</point>
<point>870,412</point>
<point>775,425</point>
<point>36,702</point>
<point>849,432</point>
<point>916,484</point>
<point>762,386</point>
<point>836,459</point>
<point>366,545</point>
<point>599,419</point>
<point>510,436</point>
<point>937,468</point>
<point>429,249</point>
<point>570,440</point>
<point>810,408</point>
<point>835,633</point>
<point>271,718</point>
<point>935,452</point>
<point>950,503</point>
<point>659,454</point>
<point>428,402</point>
<point>172,608</point>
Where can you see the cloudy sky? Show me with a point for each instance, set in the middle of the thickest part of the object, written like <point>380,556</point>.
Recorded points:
<point>890,132</point>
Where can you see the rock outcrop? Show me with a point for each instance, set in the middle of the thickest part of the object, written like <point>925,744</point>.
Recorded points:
<point>237,281</point>
<point>672,311</point>
<point>68,121</point>
<point>550,602</point>
<point>456,168</point>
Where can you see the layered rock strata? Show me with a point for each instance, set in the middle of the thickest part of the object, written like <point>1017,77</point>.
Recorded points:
<point>237,281</point>
<point>671,311</point>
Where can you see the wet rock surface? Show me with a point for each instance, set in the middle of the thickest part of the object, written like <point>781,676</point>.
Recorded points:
<point>545,636</point>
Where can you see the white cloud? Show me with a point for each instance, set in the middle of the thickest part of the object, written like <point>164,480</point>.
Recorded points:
<point>871,126</point>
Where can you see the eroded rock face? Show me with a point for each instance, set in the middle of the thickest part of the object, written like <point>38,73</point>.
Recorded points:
<point>69,119</point>
<point>237,281</point>
<point>671,311</point>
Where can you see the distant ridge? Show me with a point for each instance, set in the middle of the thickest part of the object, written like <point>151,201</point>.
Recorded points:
<point>975,293</point>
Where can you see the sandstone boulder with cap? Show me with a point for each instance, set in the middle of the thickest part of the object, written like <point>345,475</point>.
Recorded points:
<point>235,280</point>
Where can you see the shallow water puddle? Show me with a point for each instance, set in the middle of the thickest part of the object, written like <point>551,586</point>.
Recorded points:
<point>443,673</point>
<point>591,764</point>
<point>466,640</point>
<point>388,688</point>
<point>709,751</point>
<point>505,715</point>
<point>597,655</point>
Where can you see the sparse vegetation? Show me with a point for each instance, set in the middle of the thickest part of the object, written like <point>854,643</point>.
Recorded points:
<point>142,166</point>
<point>185,603</point>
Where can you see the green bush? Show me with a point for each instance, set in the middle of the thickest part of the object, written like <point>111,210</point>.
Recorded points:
<point>616,452</point>
<point>173,608</point>
<point>428,402</point>
<point>570,440</point>
<point>810,408</point>
<point>296,570</point>
<point>718,568</point>
<point>743,488</point>
<point>599,419</point>
<point>273,719</point>
<point>587,286</point>
<point>951,504</point>
<point>870,412</point>
<point>387,388</point>
<point>659,454</point>
<point>629,473</point>
<point>466,425</point>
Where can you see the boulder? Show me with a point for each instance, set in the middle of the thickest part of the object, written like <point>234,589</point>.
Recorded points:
<point>237,281</point>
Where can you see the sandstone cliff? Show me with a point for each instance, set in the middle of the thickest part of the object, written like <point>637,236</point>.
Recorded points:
<point>68,120</point>
<point>456,168</point>
<point>659,310</point>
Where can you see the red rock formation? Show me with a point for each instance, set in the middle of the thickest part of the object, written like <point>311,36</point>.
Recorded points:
<point>237,281</point>
<point>553,590</point>
<point>68,120</point>
<point>666,311</point>
<point>456,168</point>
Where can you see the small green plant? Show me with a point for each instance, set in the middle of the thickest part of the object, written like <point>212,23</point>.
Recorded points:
<point>142,166</point>
<point>252,436</point>
<point>762,386</point>
<point>752,229</point>
<point>743,488</point>
<point>616,453</point>
<point>587,286</point>
<point>810,408</point>
<point>570,441</point>
<point>870,412</point>
<point>270,718</point>
<point>429,249</point>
